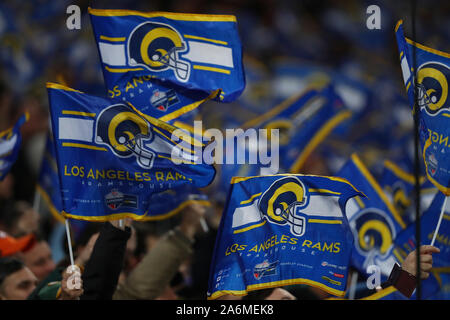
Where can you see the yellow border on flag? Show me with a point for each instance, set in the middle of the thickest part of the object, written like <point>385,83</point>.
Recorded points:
<point>188,36</point>
<point>259,286</point>
<point>159,123</point>
<point>109,217</point>
<point>277,109</point>
<point>380,294</point>
<point>168,15</point>
<point>55,213</point>
<point>143,217</point>
<point>399,172</point>
<point>10,129</point>
<point>421,46</point>
<point>251,198</point>
<point>250,227</point>
<point>376,296</point>
<point>52,85</point>
<point>365,172</point>
<point>173,212</point>
<point>188,108</point>
<point>235,180</point>
<point>154,121</point>
<point>318,138</point>
<point>79,113</point>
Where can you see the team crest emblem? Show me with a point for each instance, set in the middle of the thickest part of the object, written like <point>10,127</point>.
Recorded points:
<point>374,233</point>
<point>282,202</point>
<point>432,87</point>
<point>157,47</point>
<point>126,134</point>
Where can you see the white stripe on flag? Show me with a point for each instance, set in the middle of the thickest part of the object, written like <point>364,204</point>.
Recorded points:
<point>405,69</point>
<point>323,206</point>
<point>319,206</point>
<point>246,215</point>
<point>7,145</point>
<point>351,208</point>
<point>210,53</point>
<point>112,54</point>
<point>76,129</point>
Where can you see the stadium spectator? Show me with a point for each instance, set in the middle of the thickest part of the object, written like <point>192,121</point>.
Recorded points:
<point>16,280</point>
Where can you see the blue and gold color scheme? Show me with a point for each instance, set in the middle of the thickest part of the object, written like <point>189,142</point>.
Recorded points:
<point>374,221</point>
<point>398,185</point>
<point>279,230</point>
<point>431,82</point>
<point>189,58</point>
<point>304,121</point>
<point>10,141</point>
<point>169,203</point>
<point>111,157</point>
<point>48,182</point>
<point>405,243</point>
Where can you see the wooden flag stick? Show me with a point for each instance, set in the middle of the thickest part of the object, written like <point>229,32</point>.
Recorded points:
<point>439,221</point>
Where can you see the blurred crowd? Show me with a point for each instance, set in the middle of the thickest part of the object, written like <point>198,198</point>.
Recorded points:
<point>286,44</point>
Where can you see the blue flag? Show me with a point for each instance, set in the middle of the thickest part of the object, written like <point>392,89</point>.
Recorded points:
<point>279,230</point>
<point>443,277</point>
<point>433,102</point>
<point>405,242</point>
<point>388,293</point>
<point>49,188</point>
<point>398,185</point>
<point>48,182</point>
<point>374,221</point>
<point>111,157</point>
<point>167,64</point>
<point>303,121</point>
<point>10,140</point>
<point>166,204</point>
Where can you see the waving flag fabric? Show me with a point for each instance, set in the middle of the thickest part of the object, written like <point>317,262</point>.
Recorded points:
<point>278,230</point>
<point>48,183</point>
<point>433,101</point>
<point>405,243</point>
<point>374,221</point>
<point>10,141</point>
<point>111,157</point>
<point>303,121</point>
<point>166,64</point>
<point>168,203</point>
<point>398,185</point>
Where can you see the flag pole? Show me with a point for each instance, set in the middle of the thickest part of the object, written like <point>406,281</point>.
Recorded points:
<point>69,242</point>
<point>439,221</point>
<point>416,112</point>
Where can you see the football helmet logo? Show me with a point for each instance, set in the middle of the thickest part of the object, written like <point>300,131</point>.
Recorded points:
<point>280,204</point>
<point>156,46</point>
<point>432,87</point>
<point>125,133</point>
<point>374,233</point>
